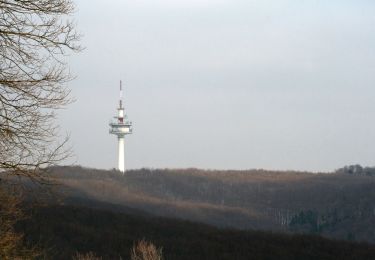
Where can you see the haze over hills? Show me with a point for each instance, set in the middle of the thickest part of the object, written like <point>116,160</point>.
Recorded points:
<point>338,205</point>
<point>210,83</point>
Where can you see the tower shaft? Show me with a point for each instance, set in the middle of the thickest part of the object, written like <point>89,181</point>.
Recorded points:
<point>121,154</point>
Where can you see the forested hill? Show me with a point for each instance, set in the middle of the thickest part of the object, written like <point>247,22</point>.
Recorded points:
<point>62,231</point>
<point>336,205</point>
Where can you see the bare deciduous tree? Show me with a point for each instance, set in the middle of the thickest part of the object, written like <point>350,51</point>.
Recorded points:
<point>87,256</point>
<point>144,250</point>
<point>35,37</point>
<point>11,242</point>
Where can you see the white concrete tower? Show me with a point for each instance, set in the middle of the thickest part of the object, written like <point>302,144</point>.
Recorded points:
<point>121,127</point>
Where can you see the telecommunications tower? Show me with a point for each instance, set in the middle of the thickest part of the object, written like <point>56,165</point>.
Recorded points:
<point>121,127</point>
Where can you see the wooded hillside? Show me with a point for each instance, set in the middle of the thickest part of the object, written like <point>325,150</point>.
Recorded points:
<point>336,205</point>
<point>62,231</point>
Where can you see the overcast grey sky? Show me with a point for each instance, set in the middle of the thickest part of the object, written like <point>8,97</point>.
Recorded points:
<point>226,84</point>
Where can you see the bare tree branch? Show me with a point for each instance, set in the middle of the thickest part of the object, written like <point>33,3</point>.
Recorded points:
<point>35,35</point>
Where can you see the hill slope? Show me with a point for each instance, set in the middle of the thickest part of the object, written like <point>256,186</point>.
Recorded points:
<point>333,205</point>
<point>65,230</point>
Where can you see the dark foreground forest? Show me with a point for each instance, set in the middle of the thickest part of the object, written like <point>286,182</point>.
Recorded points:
<point>62,231</point>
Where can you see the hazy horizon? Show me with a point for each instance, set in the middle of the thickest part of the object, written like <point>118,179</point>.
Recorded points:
<point>284,85</point>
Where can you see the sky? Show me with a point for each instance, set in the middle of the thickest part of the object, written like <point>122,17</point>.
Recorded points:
<point>225,84</point>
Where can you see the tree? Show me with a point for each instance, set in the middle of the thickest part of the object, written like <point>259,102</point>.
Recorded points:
<point>87,256</point>
<point>35,38</point>
<point>144,250</point>
<point>11,242</point>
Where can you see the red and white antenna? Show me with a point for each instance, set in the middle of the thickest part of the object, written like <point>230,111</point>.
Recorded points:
<point>120,128</point>
<point>121,93</point>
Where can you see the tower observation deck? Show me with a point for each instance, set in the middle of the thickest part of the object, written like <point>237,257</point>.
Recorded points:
<point>120,127</point>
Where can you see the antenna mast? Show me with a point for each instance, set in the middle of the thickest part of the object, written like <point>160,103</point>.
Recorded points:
<point>120,128</point>
<point>121,94</point>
